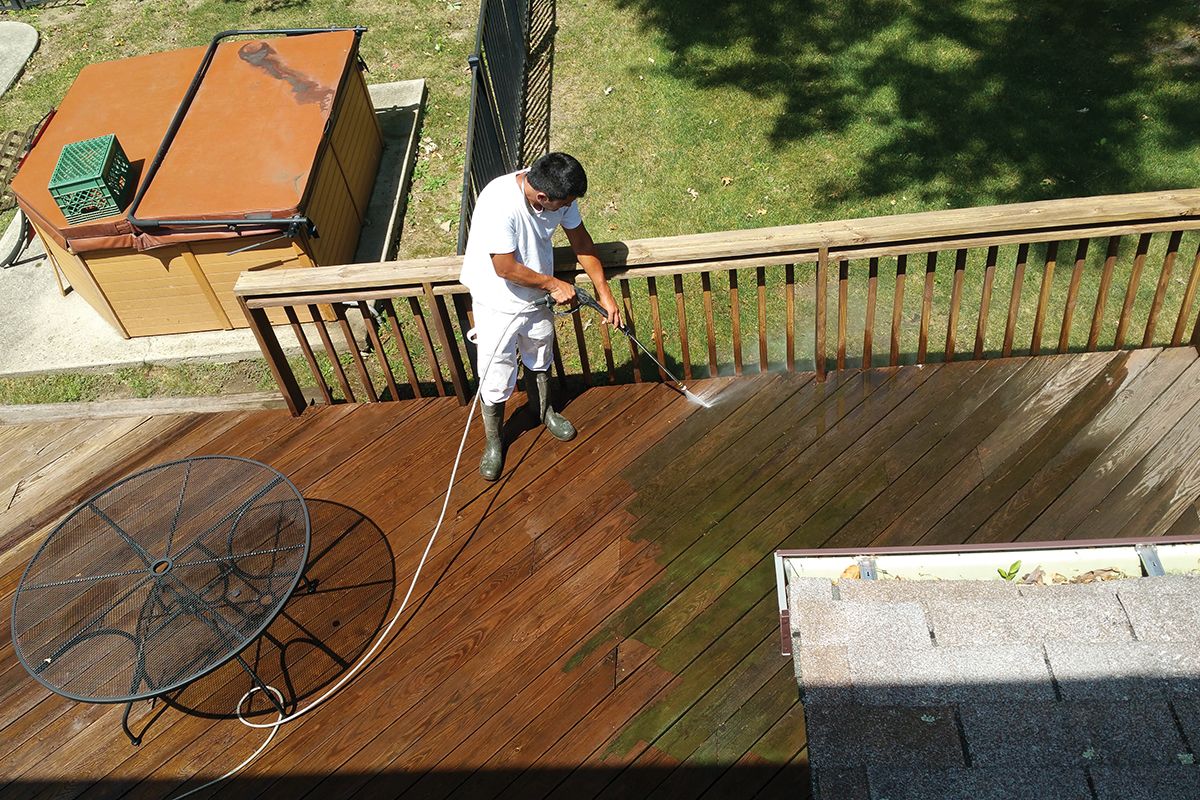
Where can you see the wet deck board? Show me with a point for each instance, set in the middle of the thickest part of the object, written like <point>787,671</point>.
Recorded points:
<point>601,622</point>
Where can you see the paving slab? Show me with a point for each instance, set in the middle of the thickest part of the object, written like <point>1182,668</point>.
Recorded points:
<point>45,332</point>
<point>398,106</point>
<point>17,43</point>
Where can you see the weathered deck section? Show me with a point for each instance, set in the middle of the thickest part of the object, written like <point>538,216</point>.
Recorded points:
<point>602,621</point>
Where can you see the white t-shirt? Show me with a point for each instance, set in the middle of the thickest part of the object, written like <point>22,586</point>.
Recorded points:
<point>504,223</point>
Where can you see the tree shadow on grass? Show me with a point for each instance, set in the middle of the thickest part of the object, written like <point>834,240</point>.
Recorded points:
<point>959,102</point>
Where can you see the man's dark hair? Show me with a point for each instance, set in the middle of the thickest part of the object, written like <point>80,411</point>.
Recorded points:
<point>559,176</point>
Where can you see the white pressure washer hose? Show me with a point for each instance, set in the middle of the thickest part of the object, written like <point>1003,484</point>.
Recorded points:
<point>274,726</point>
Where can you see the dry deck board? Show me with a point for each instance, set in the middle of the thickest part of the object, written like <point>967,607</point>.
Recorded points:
<point>517,715</point>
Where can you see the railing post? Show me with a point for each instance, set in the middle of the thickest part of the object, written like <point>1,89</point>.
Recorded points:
<point>268,343</point>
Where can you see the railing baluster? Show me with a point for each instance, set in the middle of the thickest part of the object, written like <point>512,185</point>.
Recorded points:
<point>1014,299</point>
<point>1039,319</point>
<point>606,342</point>
<point>960,268</point>
<point>681,316</point>
<point>656,320</point>
<point>435,368</point>
<point>790,300</point>
<point>441,324</point>
<point>334,361</point>
<point>1185,305</point>
<point>1064,336</point>
<point>926,306</point>
<point>1110,261</point>
<point>377,344</point>
<point>584,367</point>
<point>1160,292</point>
<point>822,289</point>
<point>1135,279</point>
<point>560,373</point>
<point>307,350</point>
<point>985,301</point>
<point>402,347</point>
<point>898,308</point>
<point>763,364</point>
<point>843,310</point>
<point>735,321</point>
<point>869,324</point>
<point>633,353</point>
<point>463,314</point>
<point>709,322</point>
<point>355,355</point>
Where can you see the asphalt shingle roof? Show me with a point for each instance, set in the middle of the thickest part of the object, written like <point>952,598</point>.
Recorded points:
<point>987,689</point>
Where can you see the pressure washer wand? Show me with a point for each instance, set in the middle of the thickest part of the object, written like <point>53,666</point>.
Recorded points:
<point>587,300</point>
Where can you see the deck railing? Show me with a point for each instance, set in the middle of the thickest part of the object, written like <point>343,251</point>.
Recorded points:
<point>945,285</point>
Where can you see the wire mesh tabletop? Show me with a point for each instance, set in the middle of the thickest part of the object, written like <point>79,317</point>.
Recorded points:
<point>160,579</point>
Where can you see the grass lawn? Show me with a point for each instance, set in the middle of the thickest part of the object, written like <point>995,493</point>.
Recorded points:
<point>697,115</point>
<point>694,115</point>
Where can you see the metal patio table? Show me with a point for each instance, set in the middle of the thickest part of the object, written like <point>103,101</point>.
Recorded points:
<point>160,579</point>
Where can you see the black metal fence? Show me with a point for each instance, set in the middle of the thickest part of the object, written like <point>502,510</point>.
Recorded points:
<point>496,119</point>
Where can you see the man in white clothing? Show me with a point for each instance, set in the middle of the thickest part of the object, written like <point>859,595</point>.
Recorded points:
<point>509,264</point>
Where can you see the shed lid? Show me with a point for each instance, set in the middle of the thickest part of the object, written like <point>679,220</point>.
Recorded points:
<point>245,149</point>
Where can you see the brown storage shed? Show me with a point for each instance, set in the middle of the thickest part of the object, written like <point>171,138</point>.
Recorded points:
<point>270,166</point>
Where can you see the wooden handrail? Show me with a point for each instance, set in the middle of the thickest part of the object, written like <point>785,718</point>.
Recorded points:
<point>848,251</point>
<point>1045,220</point>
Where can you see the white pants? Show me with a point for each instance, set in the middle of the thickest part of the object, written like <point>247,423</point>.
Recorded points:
<point>530,332</point>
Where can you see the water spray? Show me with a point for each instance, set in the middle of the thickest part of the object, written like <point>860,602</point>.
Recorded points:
<point>587,300</point>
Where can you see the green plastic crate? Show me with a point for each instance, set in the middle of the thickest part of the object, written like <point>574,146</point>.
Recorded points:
<point>91,179</point>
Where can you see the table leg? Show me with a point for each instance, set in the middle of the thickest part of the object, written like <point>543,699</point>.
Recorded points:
<point>275,701</point>
<point>133,740</point>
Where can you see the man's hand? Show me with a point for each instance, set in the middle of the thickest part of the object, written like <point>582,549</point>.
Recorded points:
<point>612,312</point>
<point>563,293</point>
<point>585,254</point>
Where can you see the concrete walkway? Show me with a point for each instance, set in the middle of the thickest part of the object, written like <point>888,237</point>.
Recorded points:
<point>45,332</point>
<point>17,43</point>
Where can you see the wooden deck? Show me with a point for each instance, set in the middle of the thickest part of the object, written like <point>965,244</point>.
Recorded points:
<point>601,622</point>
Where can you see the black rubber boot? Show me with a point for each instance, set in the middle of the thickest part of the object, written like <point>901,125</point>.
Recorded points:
<point>537,385</point>
<point>492,460</point>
